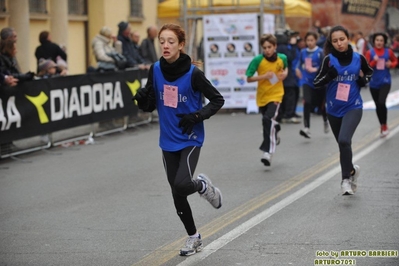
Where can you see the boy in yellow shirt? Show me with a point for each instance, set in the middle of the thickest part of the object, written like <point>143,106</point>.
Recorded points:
<point>272,70</point>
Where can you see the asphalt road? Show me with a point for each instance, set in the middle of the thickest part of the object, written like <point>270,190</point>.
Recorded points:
<point>109,203</point>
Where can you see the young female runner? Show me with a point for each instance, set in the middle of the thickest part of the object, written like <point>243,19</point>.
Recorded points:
<point>340,71</point>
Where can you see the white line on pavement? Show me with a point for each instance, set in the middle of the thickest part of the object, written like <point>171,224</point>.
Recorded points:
<point>244,227</point>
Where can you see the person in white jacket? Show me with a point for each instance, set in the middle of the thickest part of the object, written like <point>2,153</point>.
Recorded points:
<point>102,47</point>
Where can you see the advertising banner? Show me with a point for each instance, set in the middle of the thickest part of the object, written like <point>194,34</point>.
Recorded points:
<point>230,43</point>
<point>47,105</point>
<point>361,7</point>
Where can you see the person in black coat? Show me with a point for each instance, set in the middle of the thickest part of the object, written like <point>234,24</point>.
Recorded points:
<point>47,49</point>
<point>147,47</point>
<point>129,48</point>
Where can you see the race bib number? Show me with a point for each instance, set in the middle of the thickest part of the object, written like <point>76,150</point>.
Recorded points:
<point>170,95</point>
<point>343,92</point>
<point>381,64</point>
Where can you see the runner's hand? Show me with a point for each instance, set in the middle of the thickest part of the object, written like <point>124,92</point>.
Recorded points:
<point>188,121</point>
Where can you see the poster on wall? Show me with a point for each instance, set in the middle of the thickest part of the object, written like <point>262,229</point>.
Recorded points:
<point>230,43</point>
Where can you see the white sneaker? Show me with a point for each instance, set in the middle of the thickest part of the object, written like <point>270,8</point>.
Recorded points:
<point>192,246</point>
<point>212,194</point>
<point>346,187</point>
<point>305,132</point>
<point>353,178</point>
<point>266,159</point>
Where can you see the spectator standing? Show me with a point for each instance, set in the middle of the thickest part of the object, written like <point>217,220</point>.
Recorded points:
<point>340,72</point>
<point>129,49</point>
<point>135,37</point>
<point>8,51</point>
<point>317,27</point>
<point>352,42</point>
<point>48,49</point>
<point>361,44</point>
<point>147,47</point>
<point>272,69</point>
<point>171,78</point>
<point>381,59</point>
<point>10,34</point>
<point>10,75</point>
<point>102,47</point>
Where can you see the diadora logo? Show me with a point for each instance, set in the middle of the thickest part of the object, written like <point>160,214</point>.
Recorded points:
<point>68,103</point>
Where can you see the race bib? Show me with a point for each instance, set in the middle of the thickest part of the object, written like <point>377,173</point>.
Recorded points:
<point>170,95</point>
<point>308,62</point>
<point>274,79</point>
<point>343,92</point>
<point>380,64</point>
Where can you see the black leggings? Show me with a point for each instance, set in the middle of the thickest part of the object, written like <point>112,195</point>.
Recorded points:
<point>313,98</point>
<point>380,97</point>
<point>343,129</point>
<point>180,167</point>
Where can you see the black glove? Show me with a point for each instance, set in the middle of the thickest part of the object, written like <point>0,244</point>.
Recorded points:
<point>361,81</point>
<point>188,121</point>
<point>332,73</point>
<point>141,95</point>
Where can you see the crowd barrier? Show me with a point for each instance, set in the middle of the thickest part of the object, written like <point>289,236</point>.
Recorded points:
<point>39,114</point>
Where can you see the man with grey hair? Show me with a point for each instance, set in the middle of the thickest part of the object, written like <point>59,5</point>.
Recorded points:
<point>8,34</point>
<point>147,47</point>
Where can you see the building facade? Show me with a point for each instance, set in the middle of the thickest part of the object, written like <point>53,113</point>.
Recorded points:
<point>72,24</point>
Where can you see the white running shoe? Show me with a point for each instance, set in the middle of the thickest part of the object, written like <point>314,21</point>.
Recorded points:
<point>354,177</point>
<point>346,187</point>
<point>212,194</point>
<point>305,132</point>
<point>266,159</point>
<point>192,246</point>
